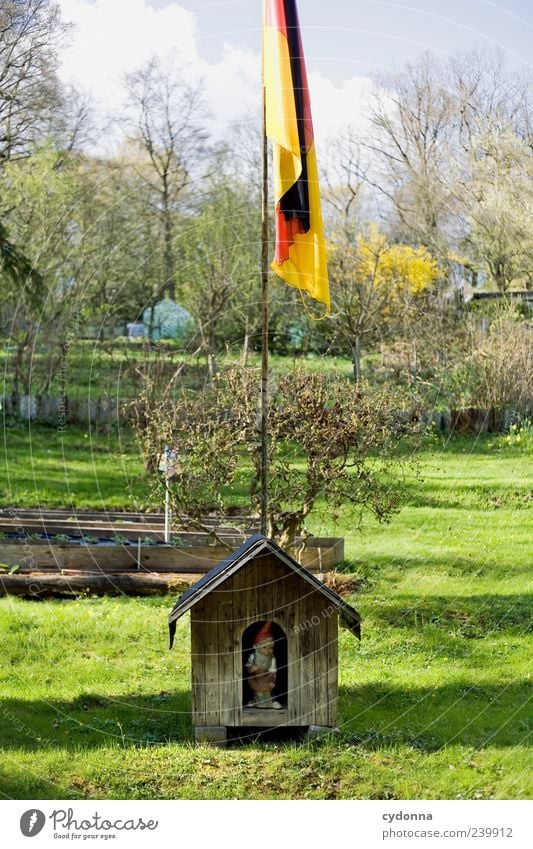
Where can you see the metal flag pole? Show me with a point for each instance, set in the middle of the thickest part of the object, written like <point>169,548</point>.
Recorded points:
<point>167,510</point>
<point>167,465</point>
<point>264,330</point>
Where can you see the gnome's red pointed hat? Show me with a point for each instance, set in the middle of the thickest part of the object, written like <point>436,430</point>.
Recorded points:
<point>264,633</point>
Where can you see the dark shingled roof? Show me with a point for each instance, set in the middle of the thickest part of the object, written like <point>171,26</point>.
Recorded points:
<point>237,560</point>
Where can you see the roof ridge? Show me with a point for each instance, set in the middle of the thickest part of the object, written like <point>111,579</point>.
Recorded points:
<point>237,560</point>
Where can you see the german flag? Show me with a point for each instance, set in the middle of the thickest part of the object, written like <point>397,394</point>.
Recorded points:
<point>300,256</point>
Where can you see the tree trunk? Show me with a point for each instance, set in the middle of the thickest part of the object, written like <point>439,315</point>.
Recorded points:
<point>151,463</point>
<point>22,371</point>
<point>357,359</point>
<point>170,283</point>
<point>245,344</point>
<point>211,356</point>
<point>17,371</point>
<point>211,366</point>
<point>151,324</point>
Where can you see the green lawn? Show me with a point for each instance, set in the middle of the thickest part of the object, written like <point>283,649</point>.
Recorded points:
<point>433,701</point>
<point>41,467</point>
<point>96,368</point>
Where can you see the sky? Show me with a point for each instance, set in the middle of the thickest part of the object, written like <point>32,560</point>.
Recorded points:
<point>345,41</point>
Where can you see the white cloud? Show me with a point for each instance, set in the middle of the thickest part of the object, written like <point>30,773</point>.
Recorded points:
<point>337,107</point>
<point>233,85</point>
<point>111,37</point>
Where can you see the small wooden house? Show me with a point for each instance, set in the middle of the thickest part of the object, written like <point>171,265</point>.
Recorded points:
<point>264,643</point>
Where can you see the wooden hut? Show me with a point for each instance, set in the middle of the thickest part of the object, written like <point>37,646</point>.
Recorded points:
<point>260,600</point>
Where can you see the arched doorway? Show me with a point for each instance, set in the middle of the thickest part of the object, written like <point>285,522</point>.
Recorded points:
<point>253,636</point>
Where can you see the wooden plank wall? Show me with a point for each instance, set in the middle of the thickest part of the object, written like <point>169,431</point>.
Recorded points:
<point>332,666</point>
<point>198,663</point>
<point>32,555</point>
<point>264,589</point>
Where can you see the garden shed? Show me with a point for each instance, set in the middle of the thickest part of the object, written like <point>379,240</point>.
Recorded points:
<point>264,633</point>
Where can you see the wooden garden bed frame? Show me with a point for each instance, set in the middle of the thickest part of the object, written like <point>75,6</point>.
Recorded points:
<point>196,556</point>
<point>46,568</point>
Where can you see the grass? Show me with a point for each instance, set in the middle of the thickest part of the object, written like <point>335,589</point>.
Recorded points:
<point>433,701</point>
<point>77,468</point>
<point>105,368</point>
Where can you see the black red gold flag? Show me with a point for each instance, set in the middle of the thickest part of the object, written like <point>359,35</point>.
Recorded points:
<point>300,255</point>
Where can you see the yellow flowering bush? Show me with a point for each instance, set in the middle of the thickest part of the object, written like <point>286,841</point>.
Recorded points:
<point>395,267</point>
<point>375,286</point>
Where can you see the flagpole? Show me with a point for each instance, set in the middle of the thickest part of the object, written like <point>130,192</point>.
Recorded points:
<point>264,329</point>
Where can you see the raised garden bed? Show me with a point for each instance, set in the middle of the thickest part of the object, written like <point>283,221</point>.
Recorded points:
<point>193,554</point>
<point>58,552</point>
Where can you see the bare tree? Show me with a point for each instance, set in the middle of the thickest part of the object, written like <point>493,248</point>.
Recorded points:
<point>72,124</point>
<point>498,200</point>
<point>345,181</point>
<point>411,116</point>
<point>30,33</point>
<point>358,304</point>
<point>374,286</point>
<point>427,119</point>
<point>30,92</point>
<point>219,272</point>
<point>167,122</point>
<point>487,95</point>
<point>242,156</point>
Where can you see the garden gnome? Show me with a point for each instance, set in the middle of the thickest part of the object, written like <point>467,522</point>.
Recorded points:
<point>261,668</point>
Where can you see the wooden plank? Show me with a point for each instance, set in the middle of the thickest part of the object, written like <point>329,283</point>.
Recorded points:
<point>195,557</point>
<point>240,620</point>
<point>109,531</point>
<point>255,596</point>
<point>32,554</point>
<point>320,637</point>
<point>305,676</point>
<point>267,577</point>
<point>332,665</point>
<point>285,593</point>
<point>301,646</point>
<point>214,735</point>
<point>109,526</point>
<point>255,604</point>
<point>56,557</point>
<point>211,649</point>
<point>115,515</point>
<point>228,646</point>
<point>311,605</point>
<point>108,558</point>
<point>47,585</point>
<point>198,664</point>
<point>320,558</point>
<point>264,718</point>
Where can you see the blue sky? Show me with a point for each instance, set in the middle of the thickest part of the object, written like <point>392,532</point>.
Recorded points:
<point>347,37</point>
<point>219,40</point>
